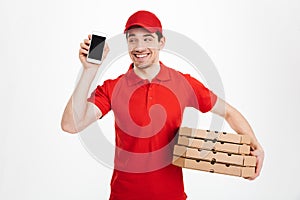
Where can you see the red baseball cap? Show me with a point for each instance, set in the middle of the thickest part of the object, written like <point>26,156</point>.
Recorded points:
<point>145,19</point>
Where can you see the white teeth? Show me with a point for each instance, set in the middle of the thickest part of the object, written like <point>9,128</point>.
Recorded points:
<point>141,55</point>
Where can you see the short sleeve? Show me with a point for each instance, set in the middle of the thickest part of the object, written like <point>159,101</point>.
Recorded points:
<point>205,98</point>
<point>100,97</point>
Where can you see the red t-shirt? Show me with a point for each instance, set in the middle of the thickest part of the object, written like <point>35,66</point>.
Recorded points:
<point>147,118</point>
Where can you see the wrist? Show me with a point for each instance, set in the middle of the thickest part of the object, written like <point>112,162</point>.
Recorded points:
<point>90,72</point>
<point>88,75</point>
<point>90,69</point>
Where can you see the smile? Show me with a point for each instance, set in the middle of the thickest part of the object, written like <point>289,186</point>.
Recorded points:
<point>141,55</point>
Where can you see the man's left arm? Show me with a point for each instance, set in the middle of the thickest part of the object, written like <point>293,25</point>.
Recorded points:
<point>240,125</point>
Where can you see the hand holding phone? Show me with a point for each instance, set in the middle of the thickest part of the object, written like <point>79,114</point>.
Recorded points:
<point>96,48</point>
<point>84,51</point>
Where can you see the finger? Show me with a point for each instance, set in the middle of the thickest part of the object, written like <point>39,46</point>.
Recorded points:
<point>87,41</point>
<point>84,46</point>
<point>83,52</point>
<point>259,162</point>
<point>259,165</point>
<point>255,175</point>
<point>252,178</point>
<point>106,48</point>
<point>90,36</point>
<point>254,153</point>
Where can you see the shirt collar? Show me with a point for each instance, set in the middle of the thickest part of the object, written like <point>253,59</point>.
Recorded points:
<point>163,75</point>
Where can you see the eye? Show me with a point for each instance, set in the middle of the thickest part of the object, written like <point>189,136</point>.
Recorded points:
<point>148,39</point>
<point>131,40</point>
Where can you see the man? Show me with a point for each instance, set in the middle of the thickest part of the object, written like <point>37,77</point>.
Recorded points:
<point>148,102</point>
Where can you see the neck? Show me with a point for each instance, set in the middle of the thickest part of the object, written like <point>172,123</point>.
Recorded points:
<point>148,72</point>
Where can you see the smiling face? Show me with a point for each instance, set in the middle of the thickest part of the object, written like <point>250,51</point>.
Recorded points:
<point>144,47</point>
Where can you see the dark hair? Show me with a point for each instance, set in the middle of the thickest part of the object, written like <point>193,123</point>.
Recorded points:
<point>159,34</point>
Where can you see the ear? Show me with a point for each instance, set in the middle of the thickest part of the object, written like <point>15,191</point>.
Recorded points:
<point>162,43</point>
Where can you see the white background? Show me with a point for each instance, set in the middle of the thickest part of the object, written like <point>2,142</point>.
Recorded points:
<point>255,46</point>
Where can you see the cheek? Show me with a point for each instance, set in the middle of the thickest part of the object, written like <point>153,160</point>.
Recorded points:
<point>154,54</point>
<point>131,55</point>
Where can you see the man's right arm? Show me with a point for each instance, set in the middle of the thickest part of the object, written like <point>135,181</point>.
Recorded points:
<point>79,113</point>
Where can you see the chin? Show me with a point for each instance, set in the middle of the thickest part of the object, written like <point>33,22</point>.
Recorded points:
<point>142,65</point>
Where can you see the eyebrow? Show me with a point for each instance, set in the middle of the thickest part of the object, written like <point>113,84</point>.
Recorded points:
<point>131,35</point>
<point>146,35</point>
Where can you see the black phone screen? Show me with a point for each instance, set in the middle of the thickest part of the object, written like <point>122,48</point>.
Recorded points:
<point>96,48</point>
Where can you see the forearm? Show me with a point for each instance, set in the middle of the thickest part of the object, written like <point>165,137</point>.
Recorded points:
<point>240,125</point>
<point>236,120</point>
<point>75,110</point>
<point>80,94</point>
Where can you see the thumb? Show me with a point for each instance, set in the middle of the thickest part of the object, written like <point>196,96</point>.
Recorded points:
<point>254,153</point>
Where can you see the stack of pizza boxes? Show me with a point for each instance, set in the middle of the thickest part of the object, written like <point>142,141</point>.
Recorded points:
<point>213,151</point>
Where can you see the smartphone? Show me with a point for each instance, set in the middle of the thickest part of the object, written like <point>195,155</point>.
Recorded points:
<point>96,47</point>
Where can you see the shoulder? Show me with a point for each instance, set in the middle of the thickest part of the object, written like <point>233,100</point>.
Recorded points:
<point>109,84</point>
<point>176,73</point>
<point>114,80</point>
<point>185,79</point>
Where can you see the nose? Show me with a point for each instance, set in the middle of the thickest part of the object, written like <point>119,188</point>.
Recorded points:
<point>139,46</point>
